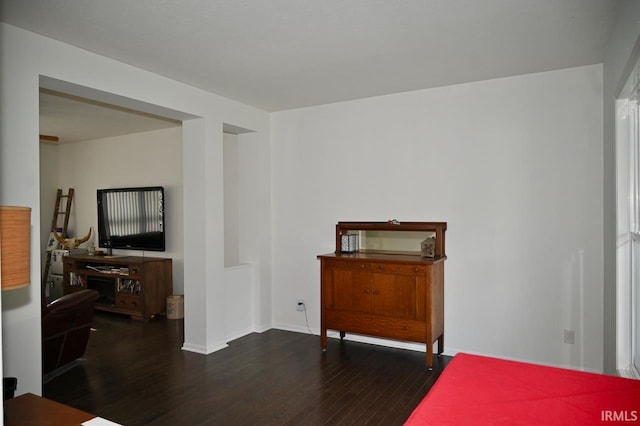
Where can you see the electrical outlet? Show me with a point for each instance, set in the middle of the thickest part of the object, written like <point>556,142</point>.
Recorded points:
<point>300,305</point>
<point>570,337</point>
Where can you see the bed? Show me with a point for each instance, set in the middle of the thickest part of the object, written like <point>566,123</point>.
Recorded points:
<point>478,390</point>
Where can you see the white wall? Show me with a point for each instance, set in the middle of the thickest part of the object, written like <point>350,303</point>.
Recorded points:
<point>239,300</point>
<point>255,221</point>
<point>142,159</point>
<point>622,53</point>
<point>30,60</point>
<point>513,165</point>
<point>231,189</point>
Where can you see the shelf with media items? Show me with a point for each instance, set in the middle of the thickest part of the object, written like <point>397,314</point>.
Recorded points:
<point>131,285</point>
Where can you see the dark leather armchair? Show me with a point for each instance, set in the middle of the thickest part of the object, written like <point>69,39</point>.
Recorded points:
<point>66,324</point>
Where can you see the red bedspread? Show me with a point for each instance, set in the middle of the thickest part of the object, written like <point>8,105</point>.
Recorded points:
<point>477,390</point>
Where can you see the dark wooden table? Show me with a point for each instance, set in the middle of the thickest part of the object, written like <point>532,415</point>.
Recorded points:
<point>30,409</point>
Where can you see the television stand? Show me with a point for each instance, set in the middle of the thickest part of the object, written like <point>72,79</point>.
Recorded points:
<point>132,285</point>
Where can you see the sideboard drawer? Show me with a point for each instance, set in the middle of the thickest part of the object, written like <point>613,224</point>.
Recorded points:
<point>128,302</point>
<point>395,268</point>
<point>351,265</point>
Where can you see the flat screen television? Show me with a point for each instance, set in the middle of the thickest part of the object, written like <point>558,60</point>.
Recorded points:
<point>131,218</point>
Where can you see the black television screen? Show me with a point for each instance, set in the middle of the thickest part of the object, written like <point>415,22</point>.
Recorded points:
<point>131,218</point>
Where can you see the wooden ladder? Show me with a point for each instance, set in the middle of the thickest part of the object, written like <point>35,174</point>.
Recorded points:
<point>54,225</point>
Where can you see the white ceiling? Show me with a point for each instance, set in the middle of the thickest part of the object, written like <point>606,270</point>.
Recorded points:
<point>282,54</point>
<point>73,119</point>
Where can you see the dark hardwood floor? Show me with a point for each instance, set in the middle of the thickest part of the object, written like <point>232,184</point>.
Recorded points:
<point>135,373</point>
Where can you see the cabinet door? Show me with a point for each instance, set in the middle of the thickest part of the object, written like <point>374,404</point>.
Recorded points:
<point>399,291</point>
<point>348,286</point>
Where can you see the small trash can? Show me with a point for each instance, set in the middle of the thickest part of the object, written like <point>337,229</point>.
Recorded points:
<point>175,306</point>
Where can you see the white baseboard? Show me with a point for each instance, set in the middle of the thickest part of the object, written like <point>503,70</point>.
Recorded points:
<point>629,374</point>
<point>204,350</point>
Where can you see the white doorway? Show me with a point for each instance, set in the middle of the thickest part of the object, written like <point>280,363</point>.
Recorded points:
<point>628,228</point>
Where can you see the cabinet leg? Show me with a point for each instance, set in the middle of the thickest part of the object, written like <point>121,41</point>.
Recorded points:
<point>429,356</point>
<point>440,345</point>
<point>342,334</point>
<point>323,339</point>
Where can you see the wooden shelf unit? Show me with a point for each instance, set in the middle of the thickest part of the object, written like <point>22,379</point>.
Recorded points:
<point>395,294</point>
<point>131,285</point>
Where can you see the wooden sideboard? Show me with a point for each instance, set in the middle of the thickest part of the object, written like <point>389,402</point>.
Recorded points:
<point>385,291</point>
<point>131,285</point>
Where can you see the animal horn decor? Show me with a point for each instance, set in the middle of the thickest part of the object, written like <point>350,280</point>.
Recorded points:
<point>71,243</point>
